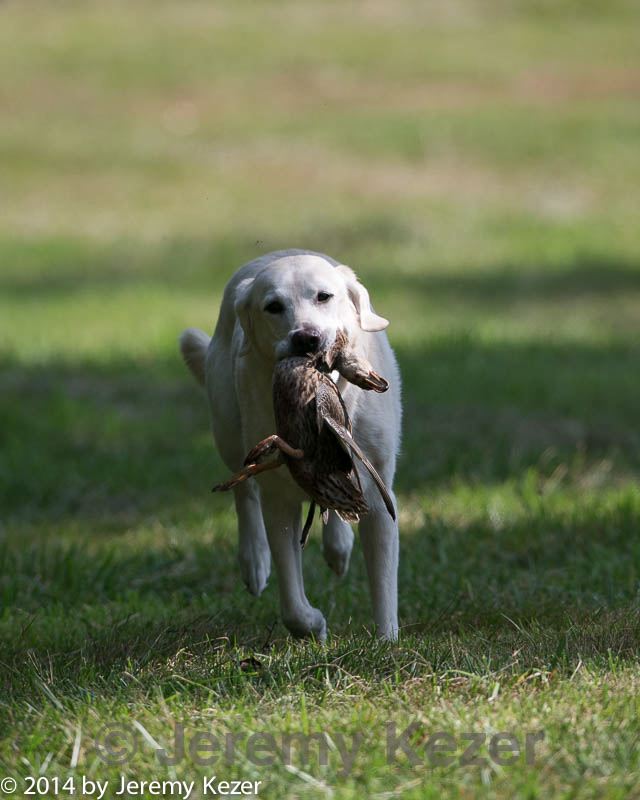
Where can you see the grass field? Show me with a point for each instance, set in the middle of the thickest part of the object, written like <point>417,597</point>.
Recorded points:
<point>478,166</point>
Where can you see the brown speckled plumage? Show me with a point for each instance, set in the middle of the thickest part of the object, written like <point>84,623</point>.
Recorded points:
<point>314,432</point>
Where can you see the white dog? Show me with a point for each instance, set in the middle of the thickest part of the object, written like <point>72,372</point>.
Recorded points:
<point>284,303</point>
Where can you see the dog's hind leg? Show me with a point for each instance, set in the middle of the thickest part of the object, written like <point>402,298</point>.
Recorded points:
<point>337,543</point>
<point>253,550</point>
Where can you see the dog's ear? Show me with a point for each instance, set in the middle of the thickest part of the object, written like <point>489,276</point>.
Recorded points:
<point>242,307</point>
<point>369,320</point>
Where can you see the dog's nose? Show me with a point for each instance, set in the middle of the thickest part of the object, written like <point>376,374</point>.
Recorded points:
<point>305,340</point>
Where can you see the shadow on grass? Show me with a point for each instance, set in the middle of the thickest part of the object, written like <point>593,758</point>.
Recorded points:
<point>61,267</point>
<point>99,441</point>
<point>484,412</point>
<point>507,283</point>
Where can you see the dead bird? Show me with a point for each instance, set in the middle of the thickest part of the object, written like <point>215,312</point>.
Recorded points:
<point>314,435</point>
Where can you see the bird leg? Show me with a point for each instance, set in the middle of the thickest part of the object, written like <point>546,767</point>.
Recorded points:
<point>270,445</point>
<point>252,465</point>
<point>307,525</point>
<point>248,471</point>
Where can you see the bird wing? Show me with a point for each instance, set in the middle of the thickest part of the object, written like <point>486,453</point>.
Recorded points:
<point>341,493</point>
<point>329,403</point>
<point>349,444</point>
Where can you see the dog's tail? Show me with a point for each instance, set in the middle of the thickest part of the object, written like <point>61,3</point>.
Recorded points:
<point>193,346</point>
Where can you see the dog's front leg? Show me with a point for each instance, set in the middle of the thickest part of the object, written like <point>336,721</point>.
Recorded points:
<point>282,518</point>
<point>380,544</point>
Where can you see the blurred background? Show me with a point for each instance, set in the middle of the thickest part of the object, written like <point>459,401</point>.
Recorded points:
<point>475,161</point>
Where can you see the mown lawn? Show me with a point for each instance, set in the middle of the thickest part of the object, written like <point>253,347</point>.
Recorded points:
<point>478,166</point>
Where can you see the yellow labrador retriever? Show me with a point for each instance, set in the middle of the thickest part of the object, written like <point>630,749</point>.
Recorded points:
<point>285,303</point>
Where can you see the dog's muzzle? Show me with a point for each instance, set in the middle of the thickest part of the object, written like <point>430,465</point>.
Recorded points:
<point>306,340</point>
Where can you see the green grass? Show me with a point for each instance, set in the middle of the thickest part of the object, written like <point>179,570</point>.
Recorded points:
<point>476,163</point>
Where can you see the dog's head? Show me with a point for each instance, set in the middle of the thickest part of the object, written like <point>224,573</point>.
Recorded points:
<point>297,305</point>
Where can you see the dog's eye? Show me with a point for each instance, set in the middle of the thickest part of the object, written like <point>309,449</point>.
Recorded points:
<point>274,307</point>
<point>324,296</point>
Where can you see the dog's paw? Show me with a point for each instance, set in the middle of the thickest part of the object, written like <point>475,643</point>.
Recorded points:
<point>337,543</point>
<point>338,557</point>
<point>255,569</point>
<point>305,623</point>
